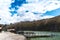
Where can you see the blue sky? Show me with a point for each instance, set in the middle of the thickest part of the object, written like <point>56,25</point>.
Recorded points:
<point>12,11</point>
<point>55,12</point>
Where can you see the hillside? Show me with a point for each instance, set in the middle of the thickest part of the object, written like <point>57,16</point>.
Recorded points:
<point>52,24</point>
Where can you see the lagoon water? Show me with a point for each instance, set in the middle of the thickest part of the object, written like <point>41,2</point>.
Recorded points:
<point>55,37</point>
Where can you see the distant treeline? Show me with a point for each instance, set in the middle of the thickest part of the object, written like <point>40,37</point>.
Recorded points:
<point>52,24</point>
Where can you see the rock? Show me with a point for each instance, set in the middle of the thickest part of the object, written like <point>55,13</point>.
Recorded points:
<point>11,36</point>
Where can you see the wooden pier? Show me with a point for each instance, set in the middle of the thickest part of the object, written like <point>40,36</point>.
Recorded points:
<point>33,34</point>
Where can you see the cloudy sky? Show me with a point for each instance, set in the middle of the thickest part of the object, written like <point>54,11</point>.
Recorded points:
<point>12,11</point>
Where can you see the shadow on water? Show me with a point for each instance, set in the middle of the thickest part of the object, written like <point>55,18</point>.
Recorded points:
<point>38,37</point>
<point>44,37</point>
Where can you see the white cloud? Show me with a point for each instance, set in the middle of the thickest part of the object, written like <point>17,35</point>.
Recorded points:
<point>5,15</point>
<point>40,7</point>
<point>34,6</point>
<point>47,16</point>
<point>54,5</point>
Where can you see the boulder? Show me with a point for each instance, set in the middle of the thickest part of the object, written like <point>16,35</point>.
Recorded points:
<point>11,36</point>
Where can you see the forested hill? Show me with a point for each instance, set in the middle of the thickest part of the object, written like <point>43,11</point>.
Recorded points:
<point>52,24</point>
